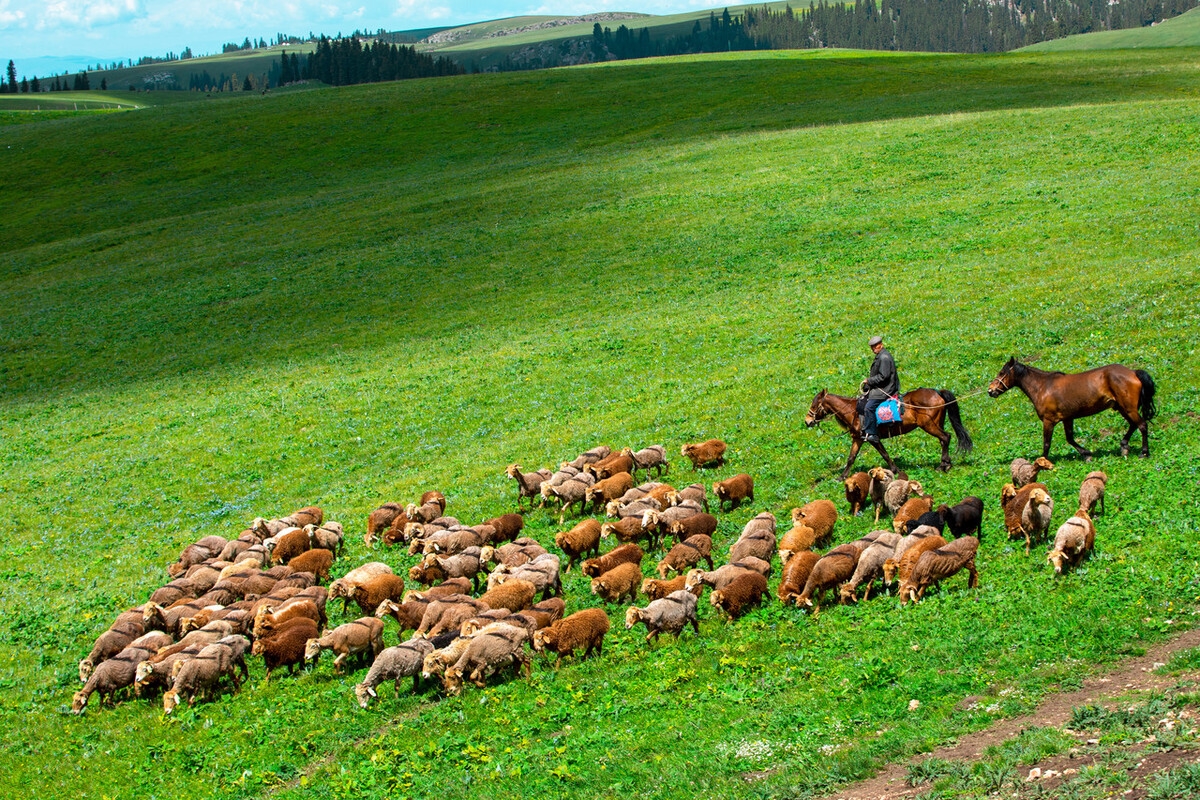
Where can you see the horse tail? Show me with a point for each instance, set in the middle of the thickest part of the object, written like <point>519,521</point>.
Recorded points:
<point>965,445</point>
<point>1146,405</point>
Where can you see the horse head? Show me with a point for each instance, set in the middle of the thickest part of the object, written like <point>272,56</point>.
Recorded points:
<point>817,411</point>
<point>1005,378</point>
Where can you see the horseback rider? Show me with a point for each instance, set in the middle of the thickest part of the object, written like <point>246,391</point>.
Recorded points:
<point>881,384</point>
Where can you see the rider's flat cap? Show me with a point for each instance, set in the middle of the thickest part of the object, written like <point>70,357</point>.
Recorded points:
<point>875,340</point>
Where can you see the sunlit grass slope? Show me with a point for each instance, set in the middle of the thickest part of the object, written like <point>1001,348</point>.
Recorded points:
<point>1181,31</point>
<point>220,310</point>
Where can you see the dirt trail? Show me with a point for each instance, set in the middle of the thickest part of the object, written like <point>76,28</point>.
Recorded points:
<point>1132,675</point>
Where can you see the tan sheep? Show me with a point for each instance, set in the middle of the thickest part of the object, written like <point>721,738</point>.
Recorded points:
<point>607,490</point>
<point>671,614</point>
<point>529,484</point>
<point>820,515</point>
<point>490,650</point>
<point>900,565</point>
<point>626,553</point>
<point>734,491</point>
<point>1091,492</point>
<point>513,554</point>
<point>590,457</point>
<point>610,466</point>
<point>696,493</point>
<point>394,664</point>
<point>869,567</point>
<point>353,638</point>
<point>344,586</point>
<point>1025,473</point>
<point>1031,510</point>
<point>699,524</point>
<point>936,565</point>
<point>686,555</point>
<point>514,595</point>
<point>880,479</point>
<point>912,509</point>
<point>1074,541</point>
<point>653,456</point>
<point>704,454</point>
<point>799,539</point>
<point>448,614</point>
<point>618,583</point>
<point>582,539</point>
<point>584,629</point>
<point>715,579</point>
<point>897,494</point>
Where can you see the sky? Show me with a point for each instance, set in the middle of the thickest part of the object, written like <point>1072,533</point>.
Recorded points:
<point>45,37</point>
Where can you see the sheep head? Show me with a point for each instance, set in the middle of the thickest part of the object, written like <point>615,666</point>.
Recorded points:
<point>512,472</point>
<point>170,701</point>
<point>694,579</point>
<point>452,681</point>
<point>716,598</point>
<point>363,693</point>
<point>606,530</point>
<point>1043,463</point>
<point>1007,494</point>
<point>847,594</point>
<point>597,585</point>
<point>85,670</point>
<point>1039,497</point>
<point>650,519</point>
<point>144,668</point>
<point>539,640</point>
<point>915,488</point>
<point>797,516</point>
<point>889,570</point>
<point>79,703</point>
<point>312,650</point>
<point>633,615</point>
<point>1056,558</point>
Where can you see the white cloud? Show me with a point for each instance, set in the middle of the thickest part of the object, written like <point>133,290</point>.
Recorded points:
<point>88,13</point>
<point>10,18</point>
<point>420,10</point>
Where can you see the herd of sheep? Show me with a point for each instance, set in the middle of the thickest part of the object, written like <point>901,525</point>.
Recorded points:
<point>490,596</point>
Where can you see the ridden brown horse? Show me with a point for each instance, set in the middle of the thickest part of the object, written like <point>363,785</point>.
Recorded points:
<point>926,409</point>
<point>1062,397</point>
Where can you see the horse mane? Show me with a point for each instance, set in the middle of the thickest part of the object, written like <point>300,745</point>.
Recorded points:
<point>1019,370</point>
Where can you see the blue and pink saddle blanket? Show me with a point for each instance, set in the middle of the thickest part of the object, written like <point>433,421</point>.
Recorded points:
<point>888,412</point>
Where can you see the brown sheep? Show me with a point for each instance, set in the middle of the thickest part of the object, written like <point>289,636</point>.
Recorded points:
<point>743,592</point>
<point>627,530</point>
<point>529,484</point>
<point>549,610</point>
<point>704,454</point>
<point>900,565</point>
<point>505,528</point>
<point>124,630</point>
<point>799,539</point>
<point>515,595</point>
<point>444,589</point>
<point>869,567</point>
<point>407,614</point>
<point>285,646</point>
<point>582,539</point>
<point>820,515</point>
<point>1091,492</point>
<point>267,618</point>
<point>607,490</point>
<point>491,649</point>
<point>635,508</point>
<point>343,587</point>
<point>584,629</point>
<point>715,579</point>
<point>110,676</point>
<point>700,524</point>
<point>686,555</point>
<point>173,592</point>
<point>353,638</point>
<point>309,515</point>
<point>290,545</point>
<point>1074,541</point>
<point>613,465</point>
<point>734,491</point>
<point>448,614</point>
<point>427,511</point>
<point>572,491</point>
<point>795,576</point>
<point>513,554</point>
<point>375,590</point>
<point>619,582</point>
<point>201,675</point>
<point>590,457</point>
<point>197,553</point>
<point>381,519</point>
<point>653,456</point>
<point>656,589</point>
<point>317,561</point>
<point>858,492</point>
<point>542,572</point>
<point>393,664</point>
<point>1025,473</point>
<point>671,614</point>
<point>639,492</point>
<point>937,565</point>
<point>696,493</point>
<point>624,554</point>
<point>912,509</point>
<point>832,570</point>
<point>1029,512</point>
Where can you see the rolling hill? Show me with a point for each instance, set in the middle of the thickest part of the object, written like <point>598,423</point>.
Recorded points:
<point>1181,31</point>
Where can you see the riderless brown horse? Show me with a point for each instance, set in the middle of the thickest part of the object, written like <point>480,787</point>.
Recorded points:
<point>926,409</point>
<point>1062,397</point>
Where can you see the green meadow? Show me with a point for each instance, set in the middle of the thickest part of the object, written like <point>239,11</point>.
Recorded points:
<point>235,307</point>
<point>1181,31</point>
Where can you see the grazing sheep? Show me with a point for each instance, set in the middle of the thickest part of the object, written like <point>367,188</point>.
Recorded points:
<point>858,492</point>
<point>820,515</point>
<point>317,561</point>
<point>590,457</point>
<point>394,664</point>
<point>408,615</point>
<point>619,582</point>
<point>514,595</point>
<point>743,593</point>
<point>1074,541</point>
<point>624,554</point>
<point>869,567</point>
<point>467,564</point>
<point>124,630</point>
<point>896,495</point>
<point>448,614</point>
<point>695,493</point>
<point>937,565</point>
<point>795,575</point>
<point>699,524</point>
<point>715,579</point>
<point>686,555</point>
<point>627,530</point>
<point>565,473</point>
<point>964,518</point>
<point>1091,492</point>
<point>197,553</point>
<point>330,536</point>
<point>582,539</point>
<point>290,545</point>
<point>912,509</point>
<point>832,570</point>
<point>572,491</point>
<point>344,586</point>
<point>268,619</point>
<point>653,456</point>
<point>547,611</point>
<point>909,549</point>
<point>930,519</point>
<point>607,490</point>
<point>513,554</point>
<point>109,677</point>
<point>428,511</point>
<point>529,484</point>
<point>436,662</point>
<point>309,515</point>
<point>655,588</point>
<point>1025,473</point>
<point>799,539</point>
<point>542,572</point>
<point>168,619</point>
<point>584,629</point>
<point>201,674</point>
<point>381,519</point>
<point>704,454</point>
<point>671,614</point>
<point>156,672</point>
<point>1028,513</point>
<point>490,649</point>
<point>657,523</point>
<point>352,638</point>
<point>613,465</point>
<point>375,590</point>
<point>285,646</point>
<point>505,528</point>
<point>635,508</point>
<point>734,491</point>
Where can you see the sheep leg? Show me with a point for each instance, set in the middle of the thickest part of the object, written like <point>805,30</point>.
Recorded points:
<point>339,662</point>
<point>708,558</point>
<point>973,579</point>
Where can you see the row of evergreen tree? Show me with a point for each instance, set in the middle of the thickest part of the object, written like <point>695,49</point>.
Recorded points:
<point>343,62</point>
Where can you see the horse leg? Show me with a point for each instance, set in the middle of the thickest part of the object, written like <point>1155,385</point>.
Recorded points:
<point>1069,432</point>
<point>855,445</point>
<point>939,433</point>
<point>1047,435</point>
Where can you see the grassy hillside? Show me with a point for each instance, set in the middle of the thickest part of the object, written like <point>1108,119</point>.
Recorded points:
<point>1181,31</point>
<point>222,310</point>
